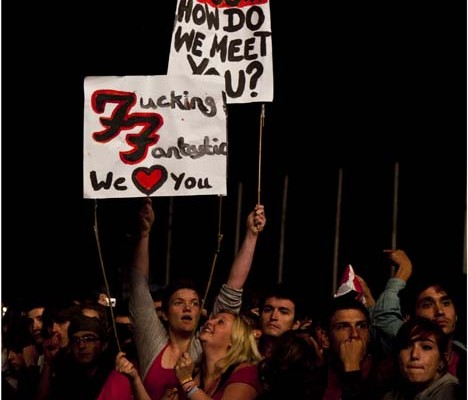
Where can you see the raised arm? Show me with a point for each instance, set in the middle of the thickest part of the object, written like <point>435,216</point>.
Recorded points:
<point>386,314</point>
<point>149,334</point>
<point>230,295</point>
<point>141,255</point>
<point>243,261</point>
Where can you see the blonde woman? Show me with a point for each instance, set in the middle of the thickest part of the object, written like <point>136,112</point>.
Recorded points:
<point>228,369</point>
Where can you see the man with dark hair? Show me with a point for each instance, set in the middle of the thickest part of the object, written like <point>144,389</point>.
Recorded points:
<point>351,370</point>
<point>33,311</point>
<point>280,311</point>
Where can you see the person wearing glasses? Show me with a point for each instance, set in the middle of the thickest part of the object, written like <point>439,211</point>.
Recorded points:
<point>83,373</point>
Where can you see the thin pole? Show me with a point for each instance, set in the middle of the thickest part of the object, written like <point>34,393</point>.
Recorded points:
<point>283,230</point>
<point>213,265</point>
<point>218,249</point>
<point>103,269</point>
<point>238,217</point>
<point>337,230</point>
<point>395,205</point>
<point>169,241</point>
<point>262,122</point>
<point>464,248</point>
<point>395,212</point>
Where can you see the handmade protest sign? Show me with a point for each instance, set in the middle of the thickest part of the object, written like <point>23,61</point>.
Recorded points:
<point>154,135</point>
<point>229,38</point>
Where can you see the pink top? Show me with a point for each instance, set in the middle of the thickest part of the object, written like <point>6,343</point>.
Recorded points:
<point>158,379</point>
<point>247,375</point>
<point>116,387</point>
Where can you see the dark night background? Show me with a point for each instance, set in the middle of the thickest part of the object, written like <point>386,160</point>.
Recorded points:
<point>357,86</point>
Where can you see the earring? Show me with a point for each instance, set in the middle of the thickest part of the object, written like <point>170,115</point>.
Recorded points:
<point>440,368</point>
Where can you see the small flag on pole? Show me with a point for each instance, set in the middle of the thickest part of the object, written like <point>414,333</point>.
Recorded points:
<point>350,284</point>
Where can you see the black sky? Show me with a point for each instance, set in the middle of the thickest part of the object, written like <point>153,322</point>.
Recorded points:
<point>357,87</point>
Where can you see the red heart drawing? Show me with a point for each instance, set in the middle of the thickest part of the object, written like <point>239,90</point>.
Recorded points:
<point>150,179</point>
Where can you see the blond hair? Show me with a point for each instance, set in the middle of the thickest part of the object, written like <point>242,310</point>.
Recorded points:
<point>244,346</point>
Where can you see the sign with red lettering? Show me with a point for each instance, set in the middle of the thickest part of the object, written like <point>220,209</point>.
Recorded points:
<point>154,136</point>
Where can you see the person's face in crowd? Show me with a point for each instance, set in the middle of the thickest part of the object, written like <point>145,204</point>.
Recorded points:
<point>59,330</point>
<point>217,331</point>
<point>103,299</point>
<point>16,360</point>
<point>435,304</point>
<point>124,328</point>
<point>184,310</point>
<point>159,310</point>
<point>34,318</point>
<point>87,347</point>
<point>321,336</point>
<point>348,324</point>
<point>420,360</point>
<point>278,316</point>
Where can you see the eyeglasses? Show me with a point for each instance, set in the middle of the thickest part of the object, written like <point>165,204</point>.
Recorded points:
<point>84,339</point>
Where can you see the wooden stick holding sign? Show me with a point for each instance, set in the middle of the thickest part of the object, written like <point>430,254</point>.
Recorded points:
<point>262,123</point>
<point>104,275</point>
<point>218,249</point>
<point>396,178</point>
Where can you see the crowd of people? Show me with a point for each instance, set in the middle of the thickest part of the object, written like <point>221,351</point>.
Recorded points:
<point>169,345</point>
